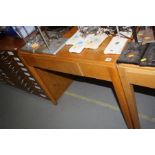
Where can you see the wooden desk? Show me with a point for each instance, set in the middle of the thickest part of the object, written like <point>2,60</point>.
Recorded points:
<point>135,75</point>
<point>89,63</point>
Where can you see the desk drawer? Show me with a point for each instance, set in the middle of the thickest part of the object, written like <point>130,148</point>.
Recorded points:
<point>95,71</point>
<point>57,65</point>
<point>51,63</point>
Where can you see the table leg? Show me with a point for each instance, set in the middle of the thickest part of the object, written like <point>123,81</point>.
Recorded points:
<point>121,97</point>
<point>129,93</point>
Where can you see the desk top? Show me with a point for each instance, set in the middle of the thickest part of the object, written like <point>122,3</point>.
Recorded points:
<point>96,55</point>
<point>132,66</point>
<point>87,55</point>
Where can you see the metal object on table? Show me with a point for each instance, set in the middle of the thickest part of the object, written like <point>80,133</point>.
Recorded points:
<point>43,38</point>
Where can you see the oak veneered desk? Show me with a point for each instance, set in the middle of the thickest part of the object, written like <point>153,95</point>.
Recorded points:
<point>89,63</point>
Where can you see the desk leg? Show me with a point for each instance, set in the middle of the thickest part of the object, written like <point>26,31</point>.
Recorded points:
<point>121,97</point>
<point>129,93</point>
<point>53,84</point>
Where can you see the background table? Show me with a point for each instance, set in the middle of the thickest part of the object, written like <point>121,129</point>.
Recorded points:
<point>135,75</point>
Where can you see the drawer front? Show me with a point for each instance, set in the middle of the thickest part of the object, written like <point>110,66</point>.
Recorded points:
<point>95,71</point>
<point>57,65</point>
<point>52,64</point>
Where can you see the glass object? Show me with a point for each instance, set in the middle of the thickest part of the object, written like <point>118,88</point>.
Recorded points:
<point>36,43</point>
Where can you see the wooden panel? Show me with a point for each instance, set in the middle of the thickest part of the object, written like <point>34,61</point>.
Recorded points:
<point>56,84</point>
<point>95,71</point>
<point>57,65</point>
<point>51,63</point>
